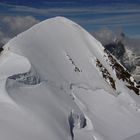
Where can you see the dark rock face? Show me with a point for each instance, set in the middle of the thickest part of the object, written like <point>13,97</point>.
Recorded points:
<point>122,73</point>
<point>106,75</point>
<point>1,44</point>
<point>129,61</point>
<point>1,47</point>
<point>125,49</point>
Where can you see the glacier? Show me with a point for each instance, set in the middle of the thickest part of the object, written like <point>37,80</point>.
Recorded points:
<point>59,83</point>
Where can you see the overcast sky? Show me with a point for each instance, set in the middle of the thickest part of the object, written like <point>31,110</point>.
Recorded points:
<point>18,15</point>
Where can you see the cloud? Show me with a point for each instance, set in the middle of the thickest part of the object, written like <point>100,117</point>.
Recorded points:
<point>3,38</point>
<point>70,10</point>
<point>11,26</point>
<point>1,34</point>
<point>105,36</point>
<point>133,44</point>
<point>77,10</point>
<point>91,17</point>
<point>113,20</point>
<point>105,15</point>
<point>18,24</point>
<point>100,15</point>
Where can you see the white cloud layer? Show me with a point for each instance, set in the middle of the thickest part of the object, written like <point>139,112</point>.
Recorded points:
<point>12,26</point>
<point>117,8</point>
<point>107,36</point>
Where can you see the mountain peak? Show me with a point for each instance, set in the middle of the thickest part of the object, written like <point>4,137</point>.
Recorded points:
<point>65,84</point>
<point>64,44</point>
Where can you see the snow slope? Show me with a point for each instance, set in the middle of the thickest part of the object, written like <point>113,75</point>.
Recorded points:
<point>54,87</point>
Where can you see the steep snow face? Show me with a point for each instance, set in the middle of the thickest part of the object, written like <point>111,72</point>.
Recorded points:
<point>63,85</point>
<point>59,40</point>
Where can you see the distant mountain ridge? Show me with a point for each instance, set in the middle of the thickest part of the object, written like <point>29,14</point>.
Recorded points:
<point>123,48</point>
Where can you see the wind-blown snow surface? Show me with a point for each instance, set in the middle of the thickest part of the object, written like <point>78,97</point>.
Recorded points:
<point>58,58</point>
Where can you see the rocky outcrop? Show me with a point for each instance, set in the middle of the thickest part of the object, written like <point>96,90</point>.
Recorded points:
<point>122,73</point>
<point>1,47</point>
<point>125,49</point>
<point>106,75</point>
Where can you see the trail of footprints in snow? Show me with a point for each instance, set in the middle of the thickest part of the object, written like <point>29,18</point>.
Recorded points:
<point>76,68</point>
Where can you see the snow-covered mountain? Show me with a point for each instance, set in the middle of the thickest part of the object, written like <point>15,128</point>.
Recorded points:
<point>125,49</point>
<point>59,83</point>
